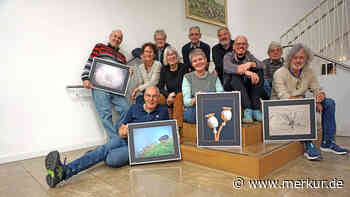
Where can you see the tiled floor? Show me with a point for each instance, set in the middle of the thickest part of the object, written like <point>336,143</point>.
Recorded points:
<point>27,178</point>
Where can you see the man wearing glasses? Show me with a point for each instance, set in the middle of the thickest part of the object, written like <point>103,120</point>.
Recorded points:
<point>195,36</point>
<point>244,73</point>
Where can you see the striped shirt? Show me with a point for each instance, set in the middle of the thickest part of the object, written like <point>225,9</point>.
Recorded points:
<point>103,51</point>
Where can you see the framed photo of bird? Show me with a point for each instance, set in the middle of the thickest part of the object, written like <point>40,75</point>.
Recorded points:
<point>151,142</point>
<point>219,119</point>
<point>289,120</point>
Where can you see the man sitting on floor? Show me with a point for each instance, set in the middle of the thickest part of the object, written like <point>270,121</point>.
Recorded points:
<point>115,152</point>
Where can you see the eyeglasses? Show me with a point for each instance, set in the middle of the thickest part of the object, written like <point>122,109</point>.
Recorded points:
<point>241,44</point>
<point>151,96</point>
<point>195,34</point>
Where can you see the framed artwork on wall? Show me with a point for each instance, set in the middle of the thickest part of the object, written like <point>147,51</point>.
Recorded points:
<point>209,11</point>
<point>289,120</point>
<point>109,76</point>
<point>218,119</point>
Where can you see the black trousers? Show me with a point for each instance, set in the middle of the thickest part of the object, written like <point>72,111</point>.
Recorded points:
<point>250,94</point>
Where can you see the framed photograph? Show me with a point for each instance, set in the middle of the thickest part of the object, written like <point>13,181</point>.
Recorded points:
<point>109,76</point>
<point>151,142</point>
<point>289,120</point>
<point>219,119</point>
<point>209,11</point>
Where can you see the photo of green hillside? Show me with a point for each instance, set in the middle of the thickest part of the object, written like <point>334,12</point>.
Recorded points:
<point>163,148</point>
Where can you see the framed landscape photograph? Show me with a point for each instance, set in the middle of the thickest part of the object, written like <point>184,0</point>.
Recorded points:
<point>109,76</point>
<point>219,119</point>
<point>151,142</point>
<point>289,120</point>
<point>209,11</point>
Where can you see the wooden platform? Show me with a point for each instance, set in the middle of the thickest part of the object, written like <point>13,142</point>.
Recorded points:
<point>254,159</point>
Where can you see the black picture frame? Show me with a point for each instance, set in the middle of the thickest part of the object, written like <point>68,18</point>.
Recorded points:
<point>211,106</point>
<point>109,76</point>
<point>289,120</point>
<point>151,142</point>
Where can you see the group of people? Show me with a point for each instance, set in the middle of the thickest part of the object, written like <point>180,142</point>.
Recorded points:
<point>166,86</point>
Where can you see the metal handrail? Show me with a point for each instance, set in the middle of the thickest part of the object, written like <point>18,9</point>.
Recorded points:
<point>342,65</point>
<point>308,14</point>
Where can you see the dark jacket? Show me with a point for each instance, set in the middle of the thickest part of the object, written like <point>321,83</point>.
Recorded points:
<point>186,49</point>
<point>218,57</point>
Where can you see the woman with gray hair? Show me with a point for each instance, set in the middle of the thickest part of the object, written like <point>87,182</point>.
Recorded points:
<point>200,80</point>
<point>170,83</point>
<point>292,81</point>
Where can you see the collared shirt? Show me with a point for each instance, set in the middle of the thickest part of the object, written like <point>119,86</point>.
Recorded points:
<point>271,67</point>
<point>160,53</point>
<point>195,46</point>
<point>137,113</point>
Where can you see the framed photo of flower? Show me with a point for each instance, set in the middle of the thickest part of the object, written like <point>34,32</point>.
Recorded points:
<point>219,119</point>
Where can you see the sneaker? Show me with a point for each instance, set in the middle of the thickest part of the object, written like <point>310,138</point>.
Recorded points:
<point>333,148</point>
<point>54,169</point>
<point>257,115</point>
<point>248,116</point>
<point>311,152</point>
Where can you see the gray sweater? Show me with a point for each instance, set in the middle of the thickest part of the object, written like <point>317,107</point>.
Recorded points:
<point>231,62</point>
<point>192,84</point>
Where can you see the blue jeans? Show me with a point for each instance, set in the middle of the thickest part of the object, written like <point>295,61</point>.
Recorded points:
<point>114,153</point>
<point>103,101</point>
<point>190,114</point>
<point>328,120</point>
<point>267,88</point>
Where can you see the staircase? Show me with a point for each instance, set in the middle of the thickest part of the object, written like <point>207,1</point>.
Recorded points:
<point>326,31</point>
<point>255,159</point>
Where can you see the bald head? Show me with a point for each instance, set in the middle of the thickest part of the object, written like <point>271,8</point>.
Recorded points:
<point>116,38</point>
<point>152,89</point>
<point>152,97</point>
<point>240,46</point>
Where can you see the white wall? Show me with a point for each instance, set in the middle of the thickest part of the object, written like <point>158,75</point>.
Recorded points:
<point>265,21</point>
<point>335,87</point>
<point>46,43</point>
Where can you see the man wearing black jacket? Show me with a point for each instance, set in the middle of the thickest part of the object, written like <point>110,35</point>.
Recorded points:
<point>195,36</point>
<point>219,50</point>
